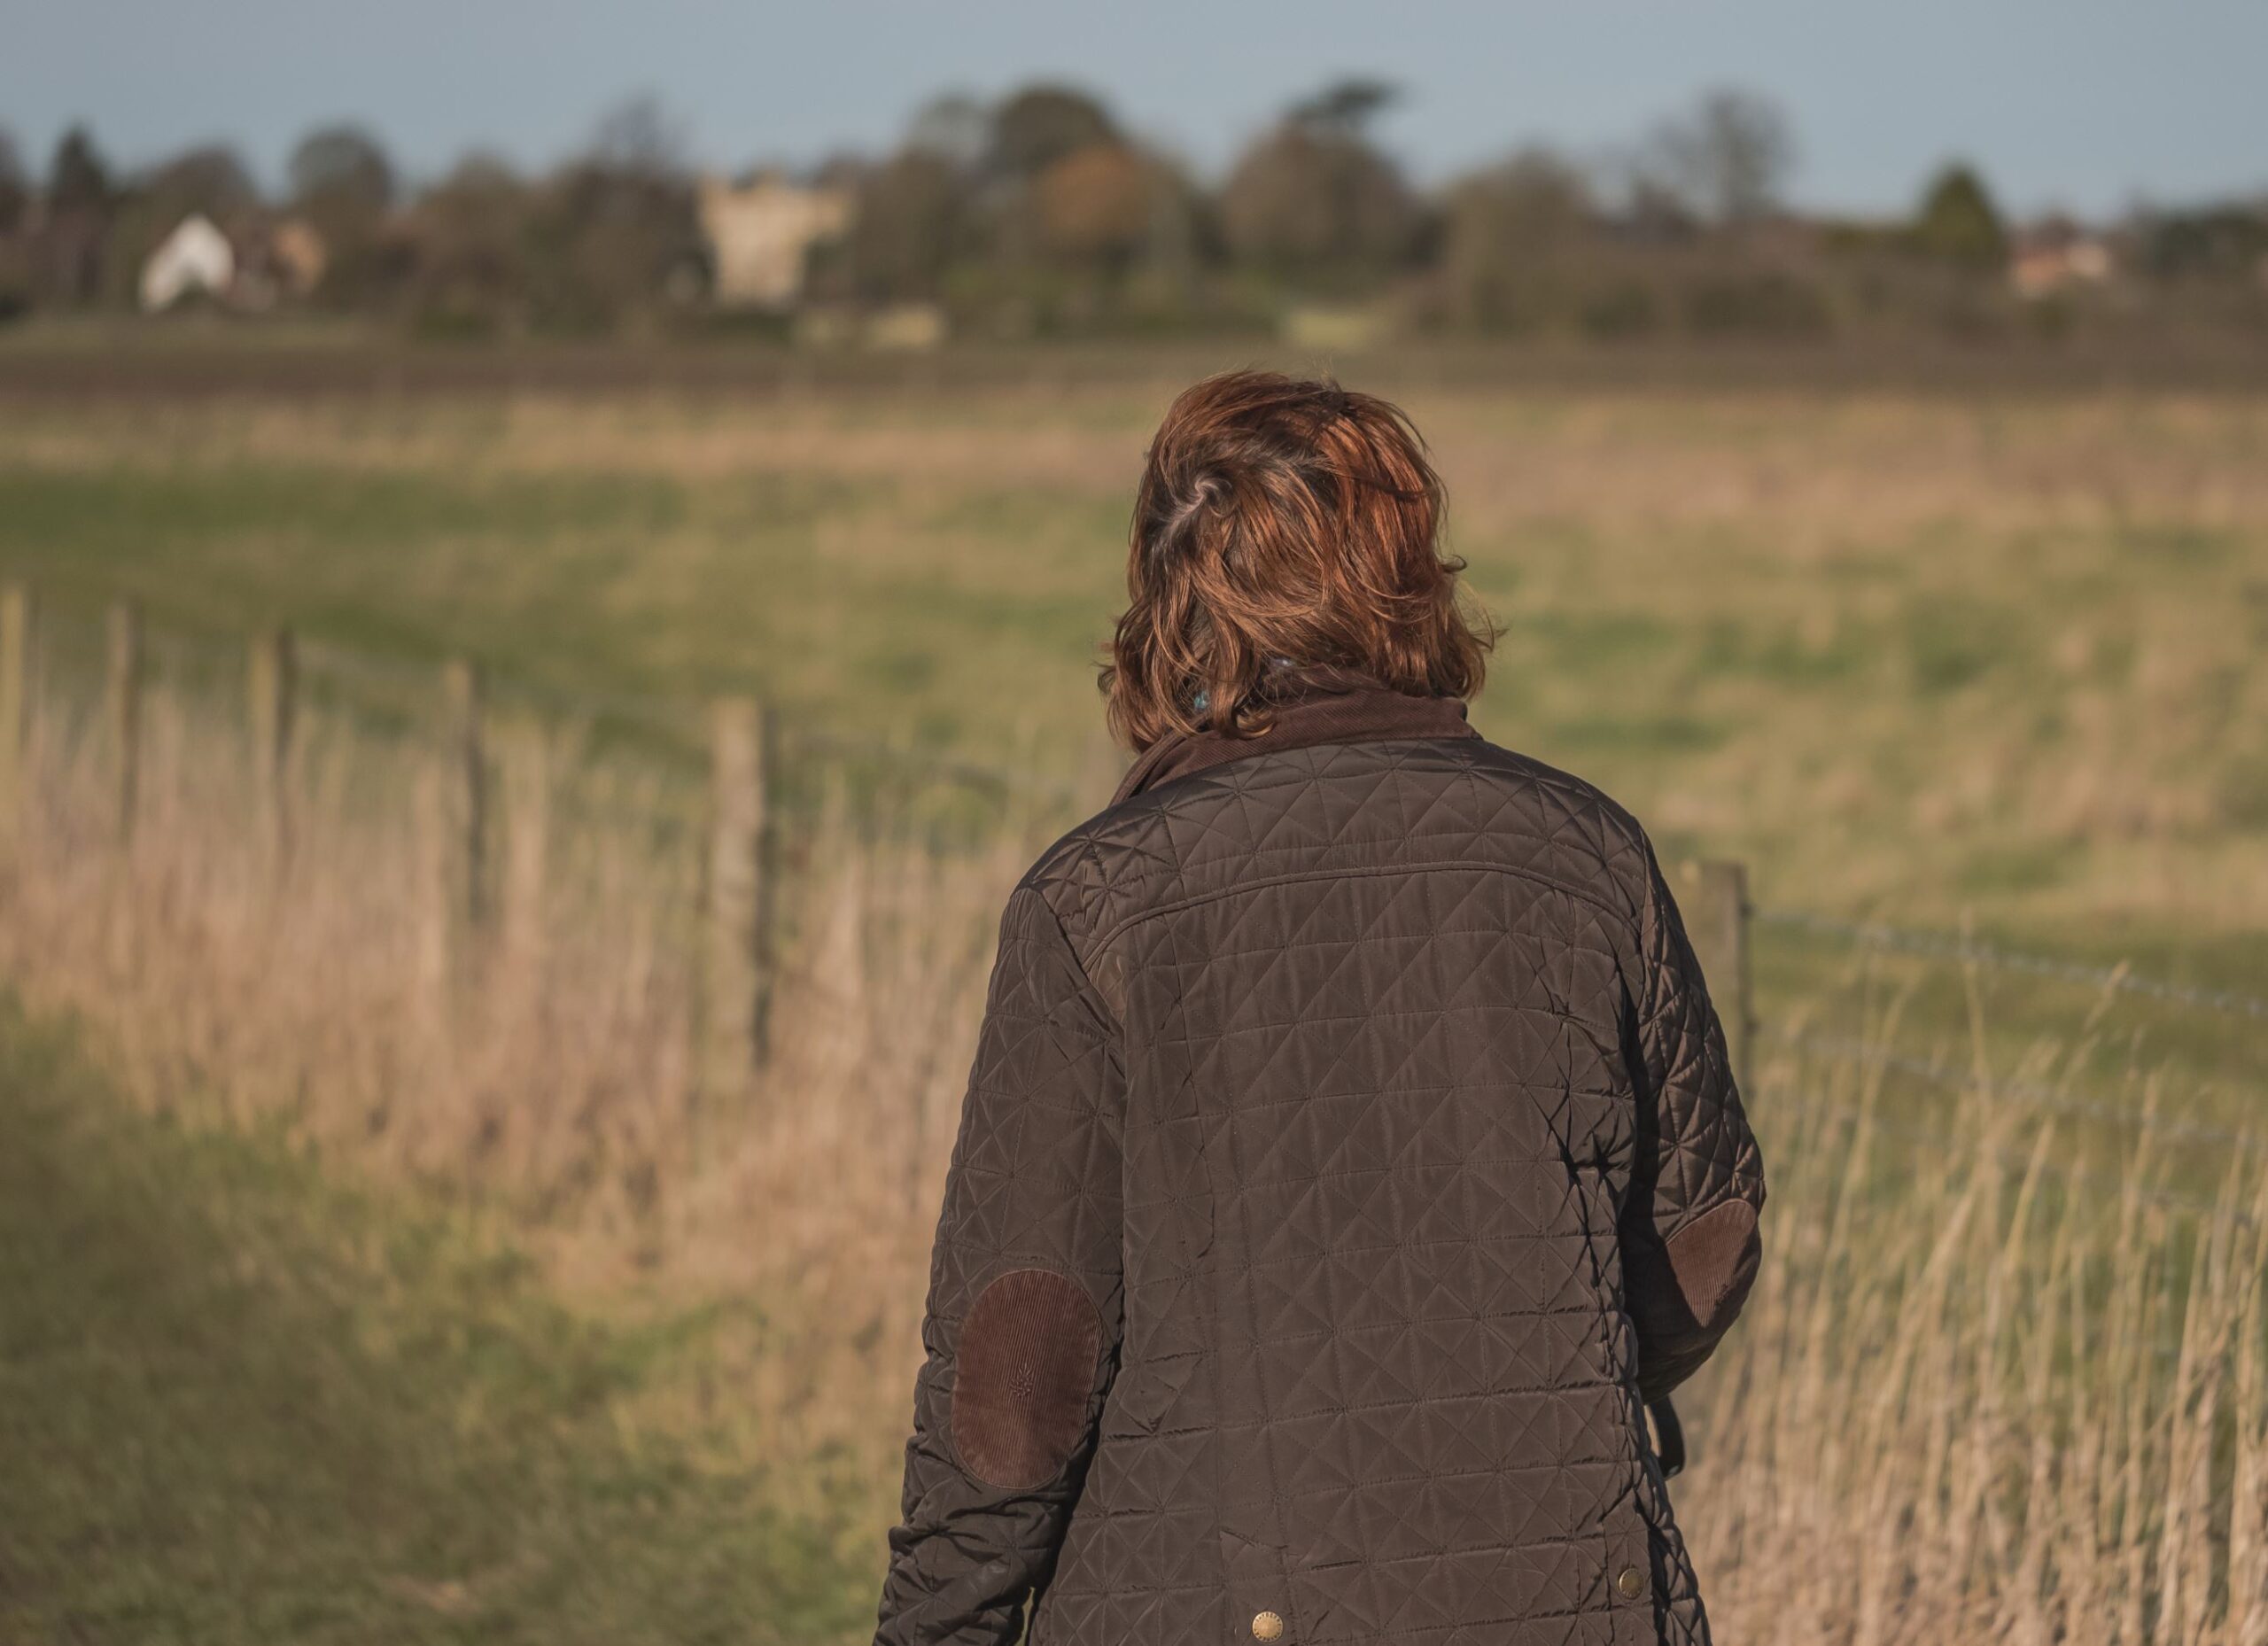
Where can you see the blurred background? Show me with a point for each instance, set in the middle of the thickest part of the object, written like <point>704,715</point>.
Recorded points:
<point>2049,177</point>
<point>551,567</point>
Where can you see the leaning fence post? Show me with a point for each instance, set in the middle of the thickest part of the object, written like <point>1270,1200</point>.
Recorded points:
<point>1715,901</point>
<point>123,707</point>
<point>737,989</point>
<point>16,631</point>
<point>464,792</point>
<point>271,683</point>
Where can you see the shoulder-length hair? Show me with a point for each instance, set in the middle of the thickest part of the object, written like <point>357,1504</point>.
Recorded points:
<point>1283,526</point>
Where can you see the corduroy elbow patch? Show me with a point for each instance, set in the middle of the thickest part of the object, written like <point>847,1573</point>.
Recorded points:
<point>1024,1373</point>
<point>1715,1258</point>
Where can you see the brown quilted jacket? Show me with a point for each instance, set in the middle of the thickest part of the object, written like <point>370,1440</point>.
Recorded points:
<point>1350,1149</point>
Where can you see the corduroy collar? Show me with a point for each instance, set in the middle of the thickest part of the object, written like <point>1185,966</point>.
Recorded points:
<point>1334,707</point>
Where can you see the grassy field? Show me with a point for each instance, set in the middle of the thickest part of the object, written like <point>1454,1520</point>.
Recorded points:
<point>1990,663</point>
<point>240,1403</point>
<point>1994,656</point>
<point>1992,659</point>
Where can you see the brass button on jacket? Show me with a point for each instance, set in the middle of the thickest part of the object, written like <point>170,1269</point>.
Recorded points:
<point>1630,1582</point>
<point>1266,1626</point>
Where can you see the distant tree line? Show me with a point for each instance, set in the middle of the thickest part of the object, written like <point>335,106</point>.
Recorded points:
<point>1041,214</point>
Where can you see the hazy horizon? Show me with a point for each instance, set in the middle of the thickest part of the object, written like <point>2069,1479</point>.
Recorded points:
<point>2083,106</point>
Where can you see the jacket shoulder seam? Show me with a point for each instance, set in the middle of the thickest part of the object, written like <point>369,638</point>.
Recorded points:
<point>1080,968</point>
<point>1110,934</point>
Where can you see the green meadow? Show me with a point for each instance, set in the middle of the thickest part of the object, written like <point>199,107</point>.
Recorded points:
<point>1989,661</point>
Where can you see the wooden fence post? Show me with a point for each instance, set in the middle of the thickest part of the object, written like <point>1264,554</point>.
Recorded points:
<point>17,618</point>
<point>465,794</point>
<point>1713,898</point>
<point>271,681</point>
<point>123,708</point>
<point>737,989</point>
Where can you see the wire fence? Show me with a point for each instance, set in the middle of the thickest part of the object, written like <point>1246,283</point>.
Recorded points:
<point>482,764</point>
<point>1963,949</point>
<point>658,777</point>
<point>403,695</point>
<point>1967,950</point>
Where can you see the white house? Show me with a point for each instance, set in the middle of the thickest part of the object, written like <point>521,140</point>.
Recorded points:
<point>194,258</point>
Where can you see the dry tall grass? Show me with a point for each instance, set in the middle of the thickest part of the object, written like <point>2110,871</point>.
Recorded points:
<point>1983,1395</point>
<point>1980,1394</point>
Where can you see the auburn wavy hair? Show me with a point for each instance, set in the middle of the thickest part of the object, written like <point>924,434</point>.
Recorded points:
<point>1284,526</point>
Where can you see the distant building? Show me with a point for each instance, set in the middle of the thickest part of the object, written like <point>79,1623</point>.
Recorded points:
<point>2055,256</point>
<point>759,233</point>
<point>196,258</point>
<point>278,261</point>
<point>253,266</point>
<point>299,254</point>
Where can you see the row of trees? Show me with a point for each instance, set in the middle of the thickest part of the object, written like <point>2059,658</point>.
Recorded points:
<point>592,245</point>
<point>1044,208</point>
<point>1043,213</point>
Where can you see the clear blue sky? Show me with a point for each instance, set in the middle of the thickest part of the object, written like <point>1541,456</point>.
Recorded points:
<point>2078,103</point>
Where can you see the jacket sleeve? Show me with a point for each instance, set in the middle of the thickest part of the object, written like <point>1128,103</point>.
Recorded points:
<point>1022,1326</point>
<point>1690,1244</point>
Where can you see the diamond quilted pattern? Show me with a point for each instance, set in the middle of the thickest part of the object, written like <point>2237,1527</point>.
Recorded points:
<point>1364,1087</point>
